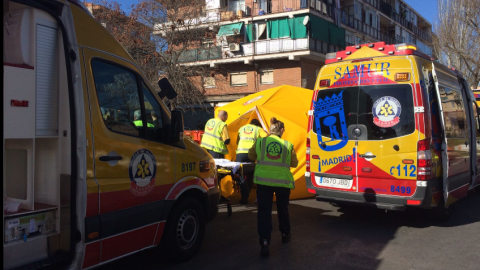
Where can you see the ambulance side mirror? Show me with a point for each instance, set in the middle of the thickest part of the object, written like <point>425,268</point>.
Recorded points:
<point>176,126</point>
<point>166,89</point>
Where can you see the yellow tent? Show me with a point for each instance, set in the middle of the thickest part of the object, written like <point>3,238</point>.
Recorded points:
<point>288,104</point>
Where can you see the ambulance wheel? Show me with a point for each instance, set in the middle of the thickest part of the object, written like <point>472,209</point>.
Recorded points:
<point>184,230</point>
<point>441,212</point>
<point>477,189</point>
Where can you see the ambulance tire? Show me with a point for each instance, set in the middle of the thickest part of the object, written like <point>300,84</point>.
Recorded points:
<point>477,189</point>
<point>184,231</point>
<point>440,212</point>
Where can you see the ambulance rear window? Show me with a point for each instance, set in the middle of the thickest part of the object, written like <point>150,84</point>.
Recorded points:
<point>380,111</point>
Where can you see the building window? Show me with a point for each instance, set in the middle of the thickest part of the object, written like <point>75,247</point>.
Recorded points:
<point>238,79</point>
<point>209,82</point>
<point>266,76</point>
<point>208,43</point>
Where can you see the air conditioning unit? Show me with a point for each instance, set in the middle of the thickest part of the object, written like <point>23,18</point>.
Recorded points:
<point>234,47</point>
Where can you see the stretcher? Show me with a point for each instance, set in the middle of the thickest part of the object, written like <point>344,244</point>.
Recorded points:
<point>239,171</point>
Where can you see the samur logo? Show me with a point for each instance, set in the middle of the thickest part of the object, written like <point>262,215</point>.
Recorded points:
<point>248,130</point>
<point>210,125</point>
<point>274,150</point>
<point>142,170</point>
<point>386,112</point>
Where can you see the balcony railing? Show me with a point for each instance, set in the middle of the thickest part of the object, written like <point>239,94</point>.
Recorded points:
<point>391,39</point>
<point>362,27</point>
<point>201,54</point>
<point>260,47</point>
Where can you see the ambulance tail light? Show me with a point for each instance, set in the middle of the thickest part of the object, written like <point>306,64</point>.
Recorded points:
<point>325,83</point>
<point>308,156</point>
<point>424,160</point>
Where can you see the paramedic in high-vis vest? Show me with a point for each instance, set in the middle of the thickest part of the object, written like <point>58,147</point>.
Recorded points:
<point>274,158</point>
<point>247,135</point>
<point>216,138</point>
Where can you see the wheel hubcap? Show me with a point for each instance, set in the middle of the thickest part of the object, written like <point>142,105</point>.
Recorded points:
<point>187,229</point>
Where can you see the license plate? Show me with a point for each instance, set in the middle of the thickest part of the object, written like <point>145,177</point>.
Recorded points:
<point>333,182</point>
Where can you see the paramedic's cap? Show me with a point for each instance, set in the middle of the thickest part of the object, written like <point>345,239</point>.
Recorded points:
<point>137,114</point>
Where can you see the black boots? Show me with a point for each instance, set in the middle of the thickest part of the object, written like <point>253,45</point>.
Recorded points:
<point>286,237</point>
<point>265,250</point>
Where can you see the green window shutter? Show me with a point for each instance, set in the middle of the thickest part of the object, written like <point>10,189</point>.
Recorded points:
<point>278,28</point>
<point>249,30</point>
<point>319,29</point>
<point>283,28</point>
<point>297,29</point>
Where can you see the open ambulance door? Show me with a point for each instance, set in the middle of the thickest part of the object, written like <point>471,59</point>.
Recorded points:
<point>455,137</point>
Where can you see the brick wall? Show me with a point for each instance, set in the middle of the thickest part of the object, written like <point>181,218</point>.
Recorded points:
<point>284,72</point>
<point>309,68</point>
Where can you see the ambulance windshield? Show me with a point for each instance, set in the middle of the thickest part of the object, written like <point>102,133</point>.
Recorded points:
<point>379,111</point>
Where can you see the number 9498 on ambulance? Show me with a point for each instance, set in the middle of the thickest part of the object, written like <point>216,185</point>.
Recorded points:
<point>390,128</point>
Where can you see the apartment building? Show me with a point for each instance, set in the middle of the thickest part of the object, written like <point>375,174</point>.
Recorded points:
<point>262,44</point>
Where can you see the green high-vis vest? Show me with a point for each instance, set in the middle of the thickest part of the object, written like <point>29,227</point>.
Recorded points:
<point>247,134</point>
<point>273,162</point>
<point>212,138</point>
<point>139,123</point>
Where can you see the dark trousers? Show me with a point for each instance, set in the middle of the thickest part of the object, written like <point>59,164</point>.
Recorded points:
<point>215,154</point>
<point>264,214</point>
<point>245,185</point>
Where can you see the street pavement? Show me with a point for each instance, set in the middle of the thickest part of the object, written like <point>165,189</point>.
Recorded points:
<point>328,237</point>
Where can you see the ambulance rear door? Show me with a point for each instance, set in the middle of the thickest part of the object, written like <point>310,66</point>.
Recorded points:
<point>455,137</point>
<point>386,132</point>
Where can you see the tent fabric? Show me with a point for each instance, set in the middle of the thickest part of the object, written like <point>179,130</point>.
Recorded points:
<point>289,104</point>
<point>297,28</point>
<point>230,29</point>
<point>278,28</point>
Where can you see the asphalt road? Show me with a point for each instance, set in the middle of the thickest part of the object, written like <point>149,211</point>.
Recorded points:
<point>328,237</point>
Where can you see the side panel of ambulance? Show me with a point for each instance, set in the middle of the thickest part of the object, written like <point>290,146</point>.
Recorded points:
<point>89,174</point>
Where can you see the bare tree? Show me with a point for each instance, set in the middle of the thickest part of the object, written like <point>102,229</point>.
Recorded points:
<point>457,42</point>
<point>162,36</point>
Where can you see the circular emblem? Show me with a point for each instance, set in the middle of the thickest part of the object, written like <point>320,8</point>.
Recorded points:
<point>142,170</point>
<point>252,100</point>
<point>357,132</point>
<point>210,125</point>
<point>274,150</point>
<point>248,130</point>
<point>386,112</point>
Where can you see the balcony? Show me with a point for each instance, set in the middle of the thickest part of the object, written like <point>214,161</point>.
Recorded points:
<point>362,27</point>
<point>281,45</point>
<point>201,54</point>
<point>259,47</point>
<point>391,39</point>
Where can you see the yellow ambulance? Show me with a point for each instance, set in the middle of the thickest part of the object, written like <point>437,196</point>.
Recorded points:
<point>390,128</point>
<point>95,166</point>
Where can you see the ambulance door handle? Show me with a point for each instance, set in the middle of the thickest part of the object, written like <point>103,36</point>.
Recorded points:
<point>110,158</point>
<point>367,156</point>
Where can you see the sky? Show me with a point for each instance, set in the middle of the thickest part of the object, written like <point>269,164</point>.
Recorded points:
<point>426,8</point>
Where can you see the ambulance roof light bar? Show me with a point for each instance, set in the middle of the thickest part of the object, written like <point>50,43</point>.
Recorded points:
<point>394,49</point>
